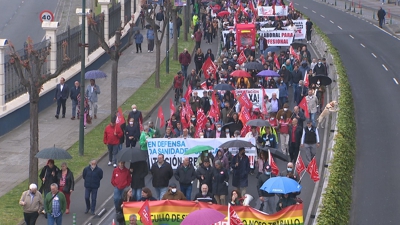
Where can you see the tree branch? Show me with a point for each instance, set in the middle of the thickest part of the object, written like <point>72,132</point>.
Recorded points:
<point>130,40</point>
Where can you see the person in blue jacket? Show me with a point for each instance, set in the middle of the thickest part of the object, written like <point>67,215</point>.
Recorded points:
<point>150,39</point>
<point>138,40</point>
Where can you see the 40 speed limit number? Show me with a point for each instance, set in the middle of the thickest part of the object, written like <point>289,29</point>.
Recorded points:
<point>46,15</point>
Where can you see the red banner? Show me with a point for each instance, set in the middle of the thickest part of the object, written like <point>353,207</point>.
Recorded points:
<point>160,115</point>
<point>300,167</point>
<point>242,58</point>
<point>120,117</point>
<point>171,107</point>
<point>187,94</point>
<point>312,169</point>
<point>145,215</point>
<point>233,217</point>
<point>244,101</point>
<point>303,105</point>
<point>275,169</point>
<point>204,86</point>
<point>201,121</point>
<point>209,68</point>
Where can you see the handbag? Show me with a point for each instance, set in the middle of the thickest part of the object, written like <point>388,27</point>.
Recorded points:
<point>41,189</point>
<point>45,213</point>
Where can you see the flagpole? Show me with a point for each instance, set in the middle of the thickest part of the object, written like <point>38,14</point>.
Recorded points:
<point>156,122</point>
<point>229,214</point>
<point>301,177</point>
<point>295,165</point>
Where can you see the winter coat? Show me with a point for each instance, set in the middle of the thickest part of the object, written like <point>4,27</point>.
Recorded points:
<point>140,171</point>
<point>240,173</point>
<point>236,125</point>
<point>143,137</point>
<point>138,38</point>
<point>283,90</point>
<point>49,178</point>
<point>174,196</point>
<point>185,175</point>
<point>161,175</point>
<point>150,34</point>
<point>223,159</point>
<point>319,69</point>
<point>133,130</point>
<point>185,58</point>
<point>285,203</point>
<point>261,180</point>
<point>92,177</point>
<point>298,133</point>
<point>219,177</point>
<point>297,76</point>
<point>109,137</point>
<point>207,174</point>
<point>69,180</point>
<point>199,59</point>
<point>121,178</point>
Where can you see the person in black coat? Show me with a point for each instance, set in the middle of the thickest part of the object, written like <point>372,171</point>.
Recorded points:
<point>266,199</point>
<point>66,183</point>
<point>73,94</point>
<point>295,133</point>
<point>241,168</point>
<point>92,176</point>
<point>204,174</point>
<point>319,69</point>
<point>381,16</point>
<point>205,195</point>
<point>61,95</point>
<point>220,178</point>
<point>300,92</point>
<point>136,115</point>
<point>48,175</point>
<point>299,115</point>
<point>236,124</point>
<point>210,55</point>
<point>139,171</point>
<point>205,102</point>
<point>132,133</point>
<point>162,172</point>
<point>185,174</point>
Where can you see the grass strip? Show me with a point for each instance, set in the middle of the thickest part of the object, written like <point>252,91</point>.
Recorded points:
<point>145,97</point>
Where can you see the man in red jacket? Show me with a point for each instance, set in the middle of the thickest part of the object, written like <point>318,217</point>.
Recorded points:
<point>184,60</point>
<point>112,135</point>
<point>197,37</point>
<point>121,178</point>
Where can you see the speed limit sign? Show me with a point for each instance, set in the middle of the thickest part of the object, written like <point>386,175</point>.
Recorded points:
<point>46,15</point>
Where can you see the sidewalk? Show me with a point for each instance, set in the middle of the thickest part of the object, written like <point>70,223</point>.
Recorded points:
<point>134,69</point>
<point>367,9</point>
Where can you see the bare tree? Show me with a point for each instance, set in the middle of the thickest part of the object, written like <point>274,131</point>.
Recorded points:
<point>150,15</point>
<point>29,72</point>
<point>174,14</point>
<point>114,52</point>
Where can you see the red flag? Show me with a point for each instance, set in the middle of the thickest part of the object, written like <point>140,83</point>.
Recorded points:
<point>277,62</point>
<point>160,115</point>
<point>113,222</point>
<point>215,106</point>
<point>244,101</point>
<point>306,82</point>
<point>184,122</point>
<point>253,10</point>
<point>171,107</point>
<point>242,58</point>
<point>291,5</point>
<point>294,53</point>
<point>275,169</point>
<point>201,122</point>
<point>303,105</point>
<point>187,94</point>
<point>120,117</point>
<point>144,213</point>
<point>312,169</point>
<point>209,68</point>
<point>300,167</point>
<point>233,217</point>
<point>244,115</point>
<point>204,86</point>
<point>264,106</point>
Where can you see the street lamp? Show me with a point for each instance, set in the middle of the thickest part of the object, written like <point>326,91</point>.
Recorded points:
<point>82,105</point>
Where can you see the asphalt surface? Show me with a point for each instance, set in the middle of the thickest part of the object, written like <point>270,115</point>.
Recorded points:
<point>105,194</point>
<point>20,19</point>
<point>370,58</point>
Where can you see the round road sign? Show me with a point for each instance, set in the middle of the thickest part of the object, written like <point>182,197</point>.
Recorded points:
<point>46,15</point>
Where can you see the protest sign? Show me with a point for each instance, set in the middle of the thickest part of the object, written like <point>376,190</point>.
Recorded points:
<point>269,11</point>
<point>278,37</point>
<point>173,212</point>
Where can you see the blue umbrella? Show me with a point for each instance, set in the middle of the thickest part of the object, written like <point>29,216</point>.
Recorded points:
<point>225,87</point>
<point>268,73</point>
<point>281,185</point>
<point>95,74</point>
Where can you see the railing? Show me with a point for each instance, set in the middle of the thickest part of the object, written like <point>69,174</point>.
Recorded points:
<point>128,13</point>
<point>93,39</point>
<point>115,19</point>
<point>13,87</point>
<point>68,44</point>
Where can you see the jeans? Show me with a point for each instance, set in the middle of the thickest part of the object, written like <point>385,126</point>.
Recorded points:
<point>61,103</point>
<point>187,190</point>
<point>160,191</point>
<point>171,33</point>
<point>184,71</point>
<point>283,100</point>
<point>30,218</point>
<point>93,108</point>
<point>137,193</point>
<point>51,220</point>
<point>112,153</point>
<point>312,118</point>
<point>117,196</point>
<point>294,87</point>
<point>88,192</point>
<point>150,45</point>
<point>74,104</point>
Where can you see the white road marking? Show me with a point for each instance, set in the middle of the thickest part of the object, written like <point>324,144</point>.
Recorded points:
<point>362,45</point>
<point>296,3</point>
<point>305,7</point>
<point>322,16</point>
<point>340,27</point>
<point>384,67</point>
<point>331,21</point>
<point>351,36</point>
<point>373,55</point>
<point>394,79</point>
<point>313,11</point>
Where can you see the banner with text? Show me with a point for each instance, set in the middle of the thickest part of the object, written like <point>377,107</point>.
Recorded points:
<point>301,29</point>
<point>269,11</point>
<point>174,149</point>
<point>173,212</point>
<point>278,37</point>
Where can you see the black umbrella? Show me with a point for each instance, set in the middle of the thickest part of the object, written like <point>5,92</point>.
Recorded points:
<point>132,155</point>
<point>225,87</point>
<point>237,144</point>
<point>276,152</point>
<point>323,79</point>
<point>296,45</point>
<point>258,123</point>
<point>254,66</point>
<point>226,125</point>
<point>53,153</point>
<point>148,26</point>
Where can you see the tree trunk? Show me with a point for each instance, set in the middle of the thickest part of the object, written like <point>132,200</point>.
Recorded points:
<point>175,44</point>
<point>187,21</point>
<point>34,137</point>
<point>114,85</point>
<point>158,63</point>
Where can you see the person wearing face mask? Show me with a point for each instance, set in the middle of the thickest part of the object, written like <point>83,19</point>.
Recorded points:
<point>289,170</point>
<point>220,178</point>
<point>300,92</point>
<point>32,203</point>
<point>241,168</point>
<point>208,132</point>
<point>204,173</point>
<point>285,75</point>
<point>284,133</point>
<point>284,112</point>
<point>136,115</point>
<point>92,176</point>
<point>218,131</point>
<point>283,91</point>
<point>173,193</point>
<point>267,200</point>
<point>312,105</point>
<point>320,68</point>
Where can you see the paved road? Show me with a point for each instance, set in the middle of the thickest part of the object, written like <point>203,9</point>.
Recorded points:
<point>370,58</point>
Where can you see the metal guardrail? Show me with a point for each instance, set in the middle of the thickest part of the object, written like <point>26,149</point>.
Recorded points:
<point>114,19</point>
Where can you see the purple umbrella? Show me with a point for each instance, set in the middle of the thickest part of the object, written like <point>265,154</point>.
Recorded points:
<point>204,216</point>
<point>268,73</point>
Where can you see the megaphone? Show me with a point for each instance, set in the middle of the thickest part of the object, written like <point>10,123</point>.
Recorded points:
<point>247,199</point>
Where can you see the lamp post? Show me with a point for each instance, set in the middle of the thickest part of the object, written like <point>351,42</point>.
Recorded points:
<point>82,105</point>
